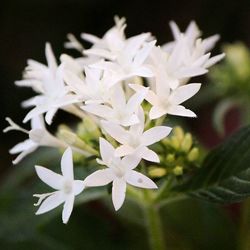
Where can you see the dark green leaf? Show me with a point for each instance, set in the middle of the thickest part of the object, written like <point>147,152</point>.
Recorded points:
<point>225,174</point>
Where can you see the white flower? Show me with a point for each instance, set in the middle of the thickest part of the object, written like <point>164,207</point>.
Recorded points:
<point>112,42</point>
<point>121,111</point>
<point>186,57</point>
<point>48,81</point>
<point>134,141</point>
<point>66,187</point>
<point>167,101</point>
<point>120,172</point>
<point>130,61</point>
<point>38,136</point>
<point>94,87</point>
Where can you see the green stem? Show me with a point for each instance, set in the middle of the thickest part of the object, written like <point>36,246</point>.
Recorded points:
<point>153,222</point>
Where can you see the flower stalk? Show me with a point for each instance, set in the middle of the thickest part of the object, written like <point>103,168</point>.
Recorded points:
<point>153,223</point>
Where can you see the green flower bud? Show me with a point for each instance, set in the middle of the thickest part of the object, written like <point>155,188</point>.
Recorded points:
<point>72,139</point>
<point>157,172</point>
<point>175,143</point>
<point>170,158</point>
<point>179,133</point>
<point>193,154</point>
<point>187,142</point>
<point>178,170</point>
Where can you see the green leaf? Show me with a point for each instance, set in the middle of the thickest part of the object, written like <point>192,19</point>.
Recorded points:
<point>225,173</point>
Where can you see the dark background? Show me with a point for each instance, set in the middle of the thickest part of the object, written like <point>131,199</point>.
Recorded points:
<point>26,25</point>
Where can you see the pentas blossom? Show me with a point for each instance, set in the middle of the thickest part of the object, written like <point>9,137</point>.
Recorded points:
<point>131,60</point>
<point>120,172</point>
<point>121,84</point>
<point>38,136</point>
<point>66,187</point>
<point>184,58</point>
<point>120,111</point>
<point>110,44</point>
<point>166,101</point>
<point>94,87</point>
<point>135,141</point>
<point>48,82</point>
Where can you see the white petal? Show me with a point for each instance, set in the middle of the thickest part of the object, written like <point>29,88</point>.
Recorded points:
<point>51,202</point>
<point>191,72</point>
<point>154,135</point>
<point>101,53</point>
<point>117,132</point>
<point>136,99</point>
<point>130,162</point>
<point>78,187</point>
<point>129,120</point>
<point>37,122</point>
<point>143,53</point>
<point>99,178</point>
<point>118,193</point>
<point>213,60</point>
<point>139,180</point>
<point>175,29</point>
<point>35,112</point>
<point>180,111</point>
<point>143,71</point>
<point>50,58</point>
<point>23,146</point>
<point>67,208</point>
<point>67,164</point>
<point>148,154</point>
<point>50,115</point>
<point>156,112</point>
<point>209,42</point>
<point>99,110</point>
<point>183,93</point>
<point>124,150</point>
<point>107,150</point>
<point>49,177</point>
<point>23,154</point>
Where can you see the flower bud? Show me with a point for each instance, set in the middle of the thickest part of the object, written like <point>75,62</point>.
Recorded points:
<point>178,132</point>
<point>170,158</point>
<point>187,142</point>
<point>193,154</point>
<point>157,172</point>
<point>178,170</point>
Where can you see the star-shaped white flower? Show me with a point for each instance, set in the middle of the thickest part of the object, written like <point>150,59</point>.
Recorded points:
<point>167,101</point>
<point>131,60</point>
<point>120,172</point>
<point>48,82</point>
<point>110,44</point>
<point>38,136</point>
<point>120,111</point>
<point>135,141</point>
<point>66,187</point>
<point>94,87</point>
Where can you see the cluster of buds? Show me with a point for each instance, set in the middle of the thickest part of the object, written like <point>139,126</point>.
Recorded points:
<point>122,88</point>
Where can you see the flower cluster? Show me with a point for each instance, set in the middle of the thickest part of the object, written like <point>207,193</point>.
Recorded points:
<point>125,87</point>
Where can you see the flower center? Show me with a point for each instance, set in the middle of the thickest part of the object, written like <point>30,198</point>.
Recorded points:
<point>67,187</point>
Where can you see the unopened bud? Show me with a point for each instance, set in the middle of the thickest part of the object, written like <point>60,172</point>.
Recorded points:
<point>178,132</point>
<point>175,143</point>
<point>178,170</point>
<point>157,172</point>
<point>170,158</point>
<point>187,142</point>
<point>193,154</point>
<point>73,140</point>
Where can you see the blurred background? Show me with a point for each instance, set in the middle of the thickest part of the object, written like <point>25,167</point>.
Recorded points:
<point>26,25</point>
